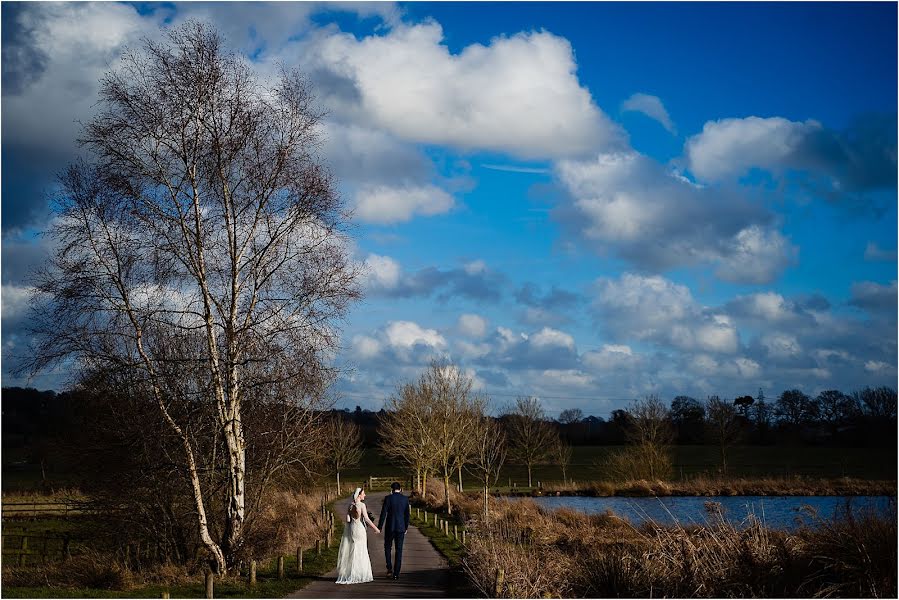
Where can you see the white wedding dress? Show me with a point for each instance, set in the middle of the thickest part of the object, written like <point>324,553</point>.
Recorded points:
<point>353,563</point>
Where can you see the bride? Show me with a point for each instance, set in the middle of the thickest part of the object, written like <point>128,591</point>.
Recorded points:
<point>353,563</point>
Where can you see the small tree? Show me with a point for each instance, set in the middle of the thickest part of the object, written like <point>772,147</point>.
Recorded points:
<point>344,445</point>
<point>406,431</point>
<point>530,436</point>
<point>795,408</point>
<point>648,430</point>
<point>743,403</point>
<point>688,419</point>
<point>878,403</point>
<point>723,426</point>
<point>489,455</point>
<point>561,452</point>
<point>570,416</point>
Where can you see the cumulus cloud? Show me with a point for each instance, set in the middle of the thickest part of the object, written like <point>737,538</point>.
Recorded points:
<point>874,297</point>
<point>627,204</point>
<point>473,326</point>
<point>652,107</point>
<point>473,280</point>
<point>756,255</point>
<point>518,94</point>
<point>611,357</point>
<point>399,342</point>
<point>861,158</point>
<point>382,272</point>
<point>659,310</point>
<point>384,204</point>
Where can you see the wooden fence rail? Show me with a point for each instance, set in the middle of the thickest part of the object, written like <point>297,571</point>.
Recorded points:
<point>39,509</point>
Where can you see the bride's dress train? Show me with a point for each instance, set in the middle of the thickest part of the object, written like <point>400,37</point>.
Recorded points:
<point>353,562</point>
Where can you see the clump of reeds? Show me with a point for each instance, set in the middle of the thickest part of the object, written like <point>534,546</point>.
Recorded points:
<point>565,553</point>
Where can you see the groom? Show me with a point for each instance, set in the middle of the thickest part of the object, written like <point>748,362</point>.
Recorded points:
<point>393,523</point>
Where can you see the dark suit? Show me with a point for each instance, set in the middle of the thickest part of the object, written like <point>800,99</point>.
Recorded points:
<point>393,523</point>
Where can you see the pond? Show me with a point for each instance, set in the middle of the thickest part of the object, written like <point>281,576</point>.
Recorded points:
<point>776,512</point>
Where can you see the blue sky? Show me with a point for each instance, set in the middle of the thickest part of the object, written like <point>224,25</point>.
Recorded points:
<point>586,202</point>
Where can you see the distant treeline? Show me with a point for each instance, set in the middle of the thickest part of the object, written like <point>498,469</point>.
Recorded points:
<point>865,417</point>
<point>34,422</point>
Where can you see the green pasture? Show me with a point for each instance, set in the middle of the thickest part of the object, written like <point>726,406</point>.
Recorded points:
<point>588,464</point>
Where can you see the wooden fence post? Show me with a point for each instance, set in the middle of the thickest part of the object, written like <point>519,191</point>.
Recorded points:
<point>498,588</point>
<point>463,537</point>
<point>209,584</point>
<point>280,567</point>
<point>164,595</point>
<point>455,532</point>
<point>299,559</point>
<point>435,519</point>
<point>252,580</point>
<point>318,547</point>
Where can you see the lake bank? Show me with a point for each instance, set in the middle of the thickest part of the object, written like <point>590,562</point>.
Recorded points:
<point>768,486</point>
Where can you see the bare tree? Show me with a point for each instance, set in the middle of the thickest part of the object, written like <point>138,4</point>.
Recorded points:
<point>406,431</point>
<point>649,431</point>
<point>343,445</point>
<point>724,428</point>
<point>455,410</point>
<point>571,415</point>
<point>530,436</point>
<point>203,249</point>
<point>489,455</point>
<point>561,452</point>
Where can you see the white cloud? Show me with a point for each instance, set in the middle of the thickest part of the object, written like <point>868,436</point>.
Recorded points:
<point>626,203</point>
<point>781,345</point>
<point>643,307</point>
<point>472,325</point>
<point>382,272</point>
<point>570,378</point>
<point>519,94</point>
<point>79,42</point>
<point>756,255</point>
<point>877,366</point>
<point>875,297</point>
<point>383,204</point>
<point>406,334</point>
<point>652,107</point>
<point>15,301</point>
<point>748,368</point>
<point>717,335</point>
<point>611,357</point>
<point>549,337</point>
<point>366,347</point>
<point>656,309</point>
<point>770,306</point>
<point>730,147</point>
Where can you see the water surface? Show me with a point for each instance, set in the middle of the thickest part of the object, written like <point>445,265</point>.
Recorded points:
<point>776,512</point>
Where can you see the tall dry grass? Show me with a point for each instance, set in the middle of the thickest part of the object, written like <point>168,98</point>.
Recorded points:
<point>565,553</point>
<point>742,486</point>
<point>285,521</point>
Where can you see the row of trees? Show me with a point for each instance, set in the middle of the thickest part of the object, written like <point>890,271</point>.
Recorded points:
<point>438,426</point>
<point>651,428</point>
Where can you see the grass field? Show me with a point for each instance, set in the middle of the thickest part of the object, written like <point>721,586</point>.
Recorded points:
<point>268,584</point>
<point>689,461</point>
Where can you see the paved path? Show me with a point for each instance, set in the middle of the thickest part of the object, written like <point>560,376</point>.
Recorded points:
<point>425,573</point>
